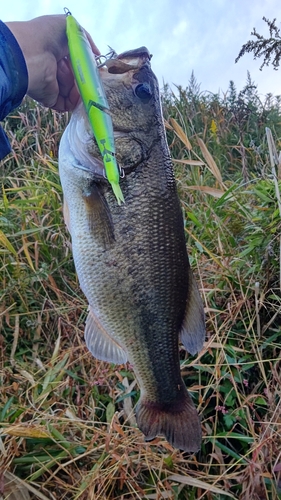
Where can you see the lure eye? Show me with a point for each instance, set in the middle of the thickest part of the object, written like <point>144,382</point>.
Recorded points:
<point>143,92</point>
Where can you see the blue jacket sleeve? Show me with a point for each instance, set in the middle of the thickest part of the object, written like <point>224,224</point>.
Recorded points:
<point>13,80</point>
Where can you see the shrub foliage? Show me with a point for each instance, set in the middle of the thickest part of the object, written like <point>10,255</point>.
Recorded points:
<point>67,430</point>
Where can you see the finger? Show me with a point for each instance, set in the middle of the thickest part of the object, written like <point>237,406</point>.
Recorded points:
<point>68,103</point>
<point>65,77</point>
<point>93,45</point>
<point>46,92</point>
<point>68,92</point>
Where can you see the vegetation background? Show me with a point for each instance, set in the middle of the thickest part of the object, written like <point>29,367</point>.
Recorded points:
<point>67,430</point>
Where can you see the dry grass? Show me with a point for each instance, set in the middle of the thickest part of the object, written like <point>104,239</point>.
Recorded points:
<point>67,430</point>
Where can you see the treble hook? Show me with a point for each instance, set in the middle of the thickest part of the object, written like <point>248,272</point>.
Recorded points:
<point>110,55</point>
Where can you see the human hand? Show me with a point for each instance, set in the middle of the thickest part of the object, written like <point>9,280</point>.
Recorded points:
<point>43,42</point>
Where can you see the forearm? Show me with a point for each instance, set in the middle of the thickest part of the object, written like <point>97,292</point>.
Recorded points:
<point>13,78</point>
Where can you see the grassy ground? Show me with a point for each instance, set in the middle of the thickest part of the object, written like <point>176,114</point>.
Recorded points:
<point>67,429</point>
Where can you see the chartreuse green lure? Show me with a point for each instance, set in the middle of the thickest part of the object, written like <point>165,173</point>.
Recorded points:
<point>90,87</point>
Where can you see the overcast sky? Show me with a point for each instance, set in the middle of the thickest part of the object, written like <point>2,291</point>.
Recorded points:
<point>183,35</point>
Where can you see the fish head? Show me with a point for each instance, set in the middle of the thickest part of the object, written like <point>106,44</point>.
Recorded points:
<point>132,93</point>
<point>133,97</point>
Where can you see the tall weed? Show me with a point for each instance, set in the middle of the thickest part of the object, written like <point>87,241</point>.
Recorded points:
<point>67,427</point>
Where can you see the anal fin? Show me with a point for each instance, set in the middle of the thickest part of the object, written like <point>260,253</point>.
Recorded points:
<point>100,343</point>
<point>193,330</point>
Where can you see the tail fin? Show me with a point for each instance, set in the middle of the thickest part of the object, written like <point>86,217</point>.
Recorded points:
<point>178,422</point>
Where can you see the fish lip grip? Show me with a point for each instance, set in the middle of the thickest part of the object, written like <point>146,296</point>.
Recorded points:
<point>90,86</point>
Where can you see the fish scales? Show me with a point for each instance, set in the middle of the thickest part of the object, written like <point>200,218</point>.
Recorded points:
<point>131,260</point>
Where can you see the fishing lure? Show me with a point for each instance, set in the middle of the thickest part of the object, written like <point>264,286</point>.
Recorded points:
<point>90,87</point>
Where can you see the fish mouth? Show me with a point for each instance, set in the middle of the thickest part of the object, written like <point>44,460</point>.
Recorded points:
<point>127,61</point>
<point>135,53</point>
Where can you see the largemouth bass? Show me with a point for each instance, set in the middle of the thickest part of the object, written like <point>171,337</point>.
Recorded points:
<point>131,260</point>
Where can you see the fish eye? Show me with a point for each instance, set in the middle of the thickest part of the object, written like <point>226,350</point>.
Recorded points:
<point>143,92</point>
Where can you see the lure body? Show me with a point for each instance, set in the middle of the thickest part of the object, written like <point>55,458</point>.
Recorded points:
<point>90,87</point>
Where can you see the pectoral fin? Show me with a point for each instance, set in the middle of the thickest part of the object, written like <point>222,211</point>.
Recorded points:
<point>100,343</point>
<point>99,218</point>
<point>193,329</point>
